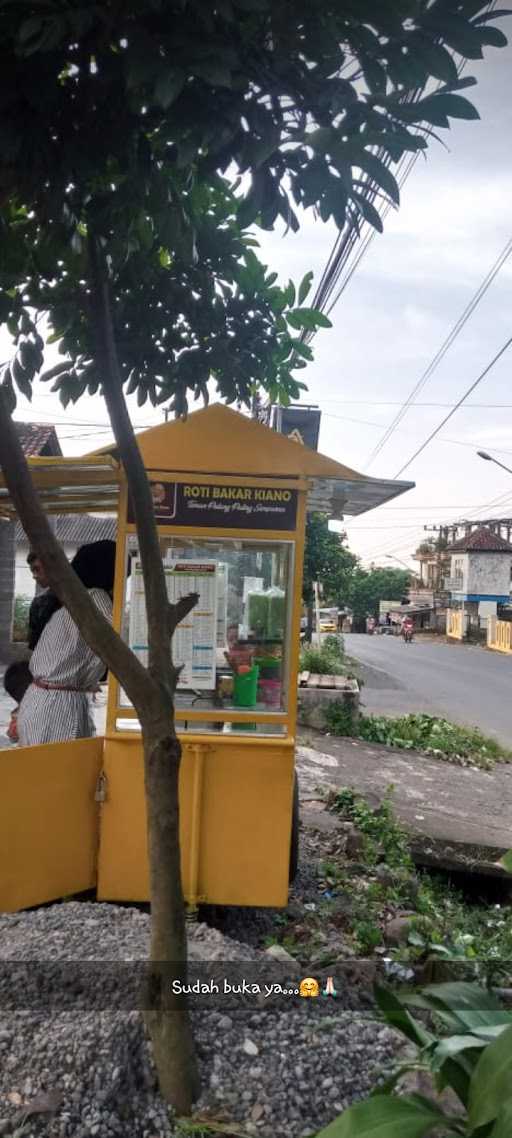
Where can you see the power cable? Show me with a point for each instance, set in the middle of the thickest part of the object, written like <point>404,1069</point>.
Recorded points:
<point>445,346</point>
<point>400,403</point>
<point>451,413</point>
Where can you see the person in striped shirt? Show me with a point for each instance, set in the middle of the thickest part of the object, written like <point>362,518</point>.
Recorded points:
<point>65,671</point>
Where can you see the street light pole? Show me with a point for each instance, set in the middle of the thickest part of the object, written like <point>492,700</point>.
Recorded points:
<point>490,458</point>
<point>390,557</point>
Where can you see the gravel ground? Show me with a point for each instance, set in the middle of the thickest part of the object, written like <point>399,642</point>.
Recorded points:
<point>76,1074</point>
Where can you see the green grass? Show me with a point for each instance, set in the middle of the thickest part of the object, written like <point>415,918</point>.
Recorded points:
<point>427,733</point>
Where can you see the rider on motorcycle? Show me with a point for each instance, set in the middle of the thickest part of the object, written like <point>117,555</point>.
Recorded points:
<point>407,628</point>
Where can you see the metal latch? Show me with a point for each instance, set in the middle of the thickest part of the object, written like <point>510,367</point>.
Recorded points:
<point>100,793</point>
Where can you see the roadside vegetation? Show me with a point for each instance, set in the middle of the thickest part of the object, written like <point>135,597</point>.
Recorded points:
<point>465,746</point>
<point>371,903</point>
<point>462,1044</point>
<point>329,660</point>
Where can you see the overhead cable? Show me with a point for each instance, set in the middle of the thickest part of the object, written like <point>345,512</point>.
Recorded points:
<point>445,346</point>
<point>450,414</point>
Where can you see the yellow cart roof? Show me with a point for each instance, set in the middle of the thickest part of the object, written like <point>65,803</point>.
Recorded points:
<point>214,440</point>
<point>217,440</point>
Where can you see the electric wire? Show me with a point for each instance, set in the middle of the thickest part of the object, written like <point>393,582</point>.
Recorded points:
<point>445,346</point>
<point>451,413</point>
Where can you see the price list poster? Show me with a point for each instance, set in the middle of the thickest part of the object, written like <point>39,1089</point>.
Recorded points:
<point>194,641</point>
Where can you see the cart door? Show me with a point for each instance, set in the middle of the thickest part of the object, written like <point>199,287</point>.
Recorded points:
<point>48,821</point>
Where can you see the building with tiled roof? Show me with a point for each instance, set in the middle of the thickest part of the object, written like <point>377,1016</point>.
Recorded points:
<point>480,574</point>
<point>38,439</point>
<point>481,540</point>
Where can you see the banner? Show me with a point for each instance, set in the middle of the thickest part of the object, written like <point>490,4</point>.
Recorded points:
<point>227,507</point>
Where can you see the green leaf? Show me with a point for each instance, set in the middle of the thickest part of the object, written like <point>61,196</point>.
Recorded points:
<point>456,106</point>
<point>375,75</point>
<point>469,1005</point>
<point>380,174</point>
<point>503,1125</point>
<point>491,1032</point>
<point>385,1117</point>
<point>493,37</point>
<point>397,1016</point>
<point>438,60</point>
<point>492,14</point>
<point>368,211</point>
<point>289,295</point>
<point>305,287</point>
<point>169,86</point>
<point>307,318</point>
<point>491,1084</point>
<point>456,1073</point>
<point>452,1046</point>
<point>506,861</point>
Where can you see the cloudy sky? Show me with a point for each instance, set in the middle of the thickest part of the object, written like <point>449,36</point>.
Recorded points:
<point>410,288</point>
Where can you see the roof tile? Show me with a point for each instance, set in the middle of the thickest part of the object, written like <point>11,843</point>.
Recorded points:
<point>38,439</point>
<point>481,540</point>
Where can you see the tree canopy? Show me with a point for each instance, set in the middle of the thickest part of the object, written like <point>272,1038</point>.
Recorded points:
<point>165,128</point>
<point>345,582</point>
<point>327,560</point>
<point>368,587</point>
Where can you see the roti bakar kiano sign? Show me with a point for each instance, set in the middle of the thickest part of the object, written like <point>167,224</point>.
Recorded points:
<point>231,506</point>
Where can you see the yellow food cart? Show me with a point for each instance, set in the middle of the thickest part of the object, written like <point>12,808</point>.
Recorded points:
<point>231,498</point>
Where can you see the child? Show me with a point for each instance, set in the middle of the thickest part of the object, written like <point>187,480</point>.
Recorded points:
<point>17,679</point>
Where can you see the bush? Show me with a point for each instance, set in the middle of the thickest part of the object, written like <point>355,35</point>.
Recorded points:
<point>427,733</point>
<point>329,660</point>
<point>20,622</point>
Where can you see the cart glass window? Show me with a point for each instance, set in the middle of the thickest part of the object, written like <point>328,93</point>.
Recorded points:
<point>233,647</point>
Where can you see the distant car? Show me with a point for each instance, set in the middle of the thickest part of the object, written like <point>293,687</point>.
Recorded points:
<point>327,625</point>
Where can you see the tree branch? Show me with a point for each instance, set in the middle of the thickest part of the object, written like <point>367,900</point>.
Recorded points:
<point>159,647</point>
<point>180,610</point>
<point>97,631</point>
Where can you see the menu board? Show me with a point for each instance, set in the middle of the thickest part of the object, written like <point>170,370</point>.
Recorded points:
<point>194,641</point>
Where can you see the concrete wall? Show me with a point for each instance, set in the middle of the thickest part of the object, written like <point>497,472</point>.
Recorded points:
<point>481,574</point>
<point>459,569</point>
<point>489,573</point>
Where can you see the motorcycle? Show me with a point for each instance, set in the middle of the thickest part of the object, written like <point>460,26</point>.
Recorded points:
<point>408,634</point>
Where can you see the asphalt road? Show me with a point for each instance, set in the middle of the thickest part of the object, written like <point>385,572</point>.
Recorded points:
<point>468,685</point>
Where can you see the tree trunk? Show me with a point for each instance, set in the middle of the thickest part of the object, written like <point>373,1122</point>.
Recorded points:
<point>150,691</point>
<point>309,624</point>
<point>169,1023</point>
